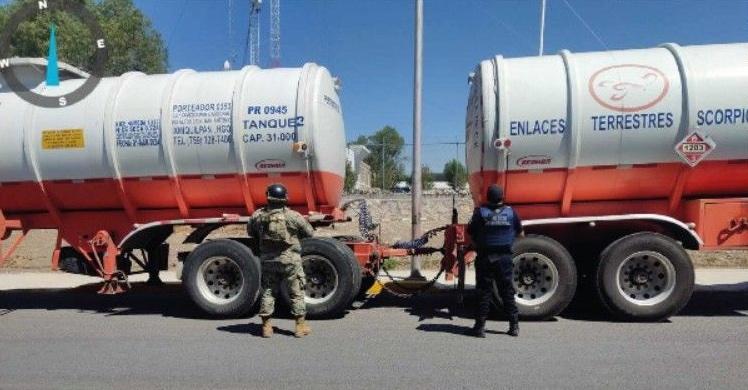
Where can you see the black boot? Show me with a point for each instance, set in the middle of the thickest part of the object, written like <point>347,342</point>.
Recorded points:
<point>513,329</point>
<point>478,330</point>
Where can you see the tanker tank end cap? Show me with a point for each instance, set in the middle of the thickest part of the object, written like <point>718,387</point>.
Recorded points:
<point>300,147</point>
<point>502,143</point>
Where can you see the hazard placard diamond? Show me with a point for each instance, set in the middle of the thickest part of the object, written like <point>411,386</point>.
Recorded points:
<point>694,148</point>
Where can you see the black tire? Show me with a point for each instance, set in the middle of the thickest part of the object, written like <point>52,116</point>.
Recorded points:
<point>247,263</point>
<point>71,261</point>
<point>638,246</point>
<point>341,257</point>
<point>550,306</point>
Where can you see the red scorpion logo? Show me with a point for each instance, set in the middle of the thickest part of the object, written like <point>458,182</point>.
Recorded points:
<point>637,84</point>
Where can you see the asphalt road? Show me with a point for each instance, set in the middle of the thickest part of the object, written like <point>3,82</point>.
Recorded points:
<point>154,338</point>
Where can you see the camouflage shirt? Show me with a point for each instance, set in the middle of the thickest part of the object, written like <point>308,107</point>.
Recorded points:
<point>279,231</point>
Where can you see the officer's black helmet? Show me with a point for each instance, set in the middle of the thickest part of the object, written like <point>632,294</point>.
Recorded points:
<point>495,194</point>
<point>277,193</point>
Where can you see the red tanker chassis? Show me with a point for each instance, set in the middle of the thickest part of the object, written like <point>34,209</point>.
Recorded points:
<point>100,255</point>
<point>555,255</point>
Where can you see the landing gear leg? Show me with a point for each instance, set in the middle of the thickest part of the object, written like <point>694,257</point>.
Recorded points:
<point>102,242</point>
<point>461,277</point>
<point>153,276</point>
<point>158,258</point>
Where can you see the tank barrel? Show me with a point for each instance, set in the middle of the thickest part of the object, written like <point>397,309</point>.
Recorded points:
<point>172,146</point>
<point>573,131</point>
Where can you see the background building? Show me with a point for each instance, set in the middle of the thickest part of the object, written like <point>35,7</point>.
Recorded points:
<point>355,156</point>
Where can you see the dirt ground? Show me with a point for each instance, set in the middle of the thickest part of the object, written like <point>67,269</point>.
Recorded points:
<point>391,212</point>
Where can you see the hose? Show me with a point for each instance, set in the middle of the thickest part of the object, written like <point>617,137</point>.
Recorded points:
<point>366,225</point>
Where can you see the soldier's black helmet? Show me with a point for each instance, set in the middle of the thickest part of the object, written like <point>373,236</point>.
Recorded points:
<point>495,194</point>
<point>277,193</point>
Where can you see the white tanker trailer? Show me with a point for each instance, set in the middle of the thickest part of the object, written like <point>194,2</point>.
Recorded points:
<point>117,171</point>
<point>617,161</point>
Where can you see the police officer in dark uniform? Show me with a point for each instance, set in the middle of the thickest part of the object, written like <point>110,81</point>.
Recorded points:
<point>493,229</point>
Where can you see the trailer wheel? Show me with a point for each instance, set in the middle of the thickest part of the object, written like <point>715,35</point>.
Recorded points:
<point>544,277</point>
<point>644,277</point>
<point>333,277</point>
<point>222,277</point>
<point>72,262</point>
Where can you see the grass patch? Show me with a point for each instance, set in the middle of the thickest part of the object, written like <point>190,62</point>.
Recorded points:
<point>390,264</point>
<point>403,263</point>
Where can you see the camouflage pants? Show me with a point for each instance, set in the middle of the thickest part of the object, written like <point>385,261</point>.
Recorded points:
<point>273,274</point>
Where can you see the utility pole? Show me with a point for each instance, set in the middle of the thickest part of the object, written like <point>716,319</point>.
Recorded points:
<point>542,26</point>
<point>381,162</point>
<point>415,262</point>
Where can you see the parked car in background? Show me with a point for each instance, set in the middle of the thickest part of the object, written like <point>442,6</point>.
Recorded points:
<point>401,187</point>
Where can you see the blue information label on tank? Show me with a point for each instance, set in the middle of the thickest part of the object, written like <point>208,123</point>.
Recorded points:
<point>197,124</point>
<point>270,124</point>
<point>138,132</point>
<point>537,127</point>
<point>722,116</point>
<point>646,120</point>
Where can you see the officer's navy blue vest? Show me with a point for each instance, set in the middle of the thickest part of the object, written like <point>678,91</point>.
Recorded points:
<point>498,227</point>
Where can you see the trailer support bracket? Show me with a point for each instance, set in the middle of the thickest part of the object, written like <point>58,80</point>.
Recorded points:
<point>103,243</point>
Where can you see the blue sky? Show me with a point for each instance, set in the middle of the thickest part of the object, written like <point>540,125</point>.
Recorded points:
<point>369,45</point>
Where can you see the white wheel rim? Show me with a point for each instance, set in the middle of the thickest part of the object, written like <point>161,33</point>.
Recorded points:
<point>645,278</point>
<point>220,280</point>
<point>321,279</point>
<point>535,278</point>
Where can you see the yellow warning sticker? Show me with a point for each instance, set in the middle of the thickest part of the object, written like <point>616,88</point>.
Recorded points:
<point>63,139</point>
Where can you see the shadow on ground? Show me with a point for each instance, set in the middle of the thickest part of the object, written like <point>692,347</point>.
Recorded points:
<point>169,300</point>
<point>450,328</point>
<point>252,329</point>
<point>718,300</point>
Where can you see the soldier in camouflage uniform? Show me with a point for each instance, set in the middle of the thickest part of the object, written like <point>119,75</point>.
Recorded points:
<point>280,231</point>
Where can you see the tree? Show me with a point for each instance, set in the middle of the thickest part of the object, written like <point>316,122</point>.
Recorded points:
<point>132,42</point>
<point>361,140</point>
<point>427,178</point>
<point>350,178</point>
<point>386,159</point>
<point>456,174</point>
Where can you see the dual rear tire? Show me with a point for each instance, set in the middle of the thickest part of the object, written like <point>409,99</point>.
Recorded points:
<point>640,277</point>
<point>333,277</point>
<point>644,277</point>
<point>544,277</point>
<point>222,277</point>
